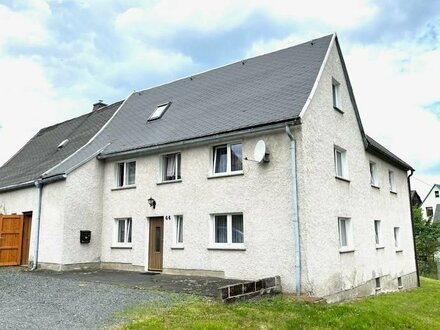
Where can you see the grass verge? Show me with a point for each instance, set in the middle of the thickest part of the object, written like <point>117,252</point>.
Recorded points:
<point>414,309</point>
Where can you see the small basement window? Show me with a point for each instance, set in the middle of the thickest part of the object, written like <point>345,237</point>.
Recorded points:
<point>160,110</point>
<point>399,282</point>
<point>378,287</point>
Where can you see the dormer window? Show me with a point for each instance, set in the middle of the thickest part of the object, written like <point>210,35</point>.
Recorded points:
<point>160,110</point>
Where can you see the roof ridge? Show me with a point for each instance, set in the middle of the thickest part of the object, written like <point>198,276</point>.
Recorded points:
<point>230,64</point>
<point>78,117</point>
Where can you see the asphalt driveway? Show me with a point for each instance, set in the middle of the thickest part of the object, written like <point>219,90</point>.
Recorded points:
<point>86,300</point>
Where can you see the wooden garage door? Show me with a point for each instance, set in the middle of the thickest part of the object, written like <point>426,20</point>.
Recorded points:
<point>11,229</point>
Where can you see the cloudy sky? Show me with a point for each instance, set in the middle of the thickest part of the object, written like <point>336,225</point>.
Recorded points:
<point>59,57</point>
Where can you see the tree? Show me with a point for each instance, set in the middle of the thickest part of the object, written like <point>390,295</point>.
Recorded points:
<point>427,234</point>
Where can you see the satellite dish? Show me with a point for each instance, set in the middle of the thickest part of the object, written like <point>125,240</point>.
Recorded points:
<point>260,151</point>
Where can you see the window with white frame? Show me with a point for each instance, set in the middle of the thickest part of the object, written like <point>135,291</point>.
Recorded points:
<point>336,94</point>
<point>227,158</point>
<point>377,233</point>
<point>397,238</point>
<point>125,174</point>
<point>122,232</point>
<point>171,167</point>
<point>437,194</point>
<point>374,177</point>
<point>392,181</point>
<point>341,167</point>
<point>228,229</point>
<point>159,111</point>
<point>179,230</point>
<point>345,235</point>
<point>429,211</point>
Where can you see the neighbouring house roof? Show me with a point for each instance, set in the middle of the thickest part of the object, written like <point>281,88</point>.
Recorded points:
<point>435,185</point>
<point>415,199</point>
<point>376,148</point>
<point>42,153</point>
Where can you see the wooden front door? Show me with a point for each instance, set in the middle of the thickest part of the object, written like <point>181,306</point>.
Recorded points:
<point>26,240</point>
<point>155,254</point>
<point>11,231</point>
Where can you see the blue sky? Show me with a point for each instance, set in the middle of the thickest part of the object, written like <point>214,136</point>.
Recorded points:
<point>59,57</point>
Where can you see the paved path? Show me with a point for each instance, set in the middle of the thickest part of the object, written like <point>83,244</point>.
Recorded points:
<point>84,300</point>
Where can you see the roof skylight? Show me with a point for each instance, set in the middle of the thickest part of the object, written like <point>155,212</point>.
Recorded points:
<point>160,110</point>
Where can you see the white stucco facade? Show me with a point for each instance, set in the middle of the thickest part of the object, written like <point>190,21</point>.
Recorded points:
<point>323,198</point>
<point>89,200</point>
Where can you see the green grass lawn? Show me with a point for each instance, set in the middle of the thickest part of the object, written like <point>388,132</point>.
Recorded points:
<point>413,309</point>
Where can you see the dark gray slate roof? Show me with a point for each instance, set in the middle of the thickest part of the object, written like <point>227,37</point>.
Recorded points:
<point>41,152</point>
<point>264,89</point>
<point>382,152</point>
<point>267,89</point>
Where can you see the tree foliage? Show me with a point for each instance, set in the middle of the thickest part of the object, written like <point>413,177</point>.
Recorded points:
<point>427,234</point>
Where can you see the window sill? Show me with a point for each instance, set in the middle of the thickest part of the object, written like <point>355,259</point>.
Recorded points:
<point>222,175</point>
<point>124,187</point>
<point>380,247</point>
<point>393,192</point>
<point>338,110</point>
<point>239,247</point>
<point>375,186</point>
<point>342,179</point>
<point>177,247</point>
<point>346,250</point>
<point>168,182</point>
<point>399,250</point>
<point>122,247</point>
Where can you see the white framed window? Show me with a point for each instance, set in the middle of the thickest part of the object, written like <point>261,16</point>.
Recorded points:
<point>122,232</point>
<point>397,238</point>
<point>437,194</point>
<point>178,241</point>
<point>374,177</point>
<point>392,181</point>
<point>227,158</point>
<point>341,167</point>
<point>345,234</point>
<point>125,173</point>
<point>171,168</point>
<point>336,92</point>
<point>160,110</point>
<point>227,230</point>
<point>378,233</point>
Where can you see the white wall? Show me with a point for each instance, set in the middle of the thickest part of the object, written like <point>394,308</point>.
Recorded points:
<point>323,198</point>
<point>52,216</point>
<point>262,194</point>
<point>19,201</point>
<point>51,223</point>
<point>83,211</point>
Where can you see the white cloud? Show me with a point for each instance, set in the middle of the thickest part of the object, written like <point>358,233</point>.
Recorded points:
<point>24,26</point>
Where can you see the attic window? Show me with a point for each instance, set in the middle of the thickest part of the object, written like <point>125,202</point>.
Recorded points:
<point>160,110</point>
<point>63,144</point>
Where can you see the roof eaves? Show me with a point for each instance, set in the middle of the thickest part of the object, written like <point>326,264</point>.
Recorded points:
<point>385,154</point>
<point>201,139</point>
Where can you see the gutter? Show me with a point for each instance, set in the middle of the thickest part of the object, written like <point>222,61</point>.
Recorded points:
<point>36,226</point>
<point>297,256</point>
<point>412,227</point>
<point>202,140</point>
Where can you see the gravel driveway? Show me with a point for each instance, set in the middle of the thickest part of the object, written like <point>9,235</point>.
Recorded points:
<point>28,301</point>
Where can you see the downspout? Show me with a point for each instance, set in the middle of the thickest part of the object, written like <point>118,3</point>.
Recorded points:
<point>297,257</point>
<point>36,238</point>
<point>412,227</point>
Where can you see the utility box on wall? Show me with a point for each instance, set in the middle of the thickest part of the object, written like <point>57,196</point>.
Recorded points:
<point>85,236</point>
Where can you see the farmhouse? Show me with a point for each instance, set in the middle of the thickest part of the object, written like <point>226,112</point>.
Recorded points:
<point>431,204</point>
<point>254,169</point>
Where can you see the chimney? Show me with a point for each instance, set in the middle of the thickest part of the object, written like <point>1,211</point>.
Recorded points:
<point>98,105</point>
